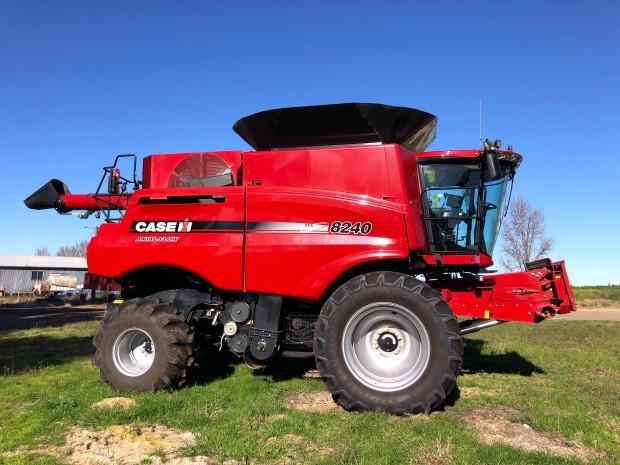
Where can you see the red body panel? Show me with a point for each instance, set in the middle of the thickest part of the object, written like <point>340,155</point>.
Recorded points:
<point>295,221</point>
<point>299,187</point>
<point>157,169</point>
<point>215,256</point>
<point>303,263</point>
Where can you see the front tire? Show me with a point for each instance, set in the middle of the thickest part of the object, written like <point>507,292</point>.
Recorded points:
<point>387,341</point>
<point>144,345</point>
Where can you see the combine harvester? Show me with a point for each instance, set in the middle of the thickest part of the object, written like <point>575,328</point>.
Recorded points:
<point>338,237</point>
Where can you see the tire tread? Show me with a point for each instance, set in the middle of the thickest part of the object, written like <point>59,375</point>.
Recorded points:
<point>179,338</point>
<point>447,383</point>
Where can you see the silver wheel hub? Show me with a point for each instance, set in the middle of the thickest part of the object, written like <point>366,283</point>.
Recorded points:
<point>387,341</point>
<point>385,346</point>
<point>133,352</point>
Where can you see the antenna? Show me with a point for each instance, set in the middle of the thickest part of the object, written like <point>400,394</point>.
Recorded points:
<point>480,122</point>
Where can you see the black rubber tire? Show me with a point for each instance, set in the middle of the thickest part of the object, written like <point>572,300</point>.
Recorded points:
<point>446,345</point>
<point>172,337</point>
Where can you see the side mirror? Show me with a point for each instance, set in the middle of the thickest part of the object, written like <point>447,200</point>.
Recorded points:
<point>492,166</point>
<point>113,182</point>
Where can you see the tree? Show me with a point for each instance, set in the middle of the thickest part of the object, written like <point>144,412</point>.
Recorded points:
<point>524,236</point>
<point>76,250</point>
<point>42,252</point>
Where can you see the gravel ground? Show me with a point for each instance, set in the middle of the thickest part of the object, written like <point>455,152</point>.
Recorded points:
<point>602,313</point>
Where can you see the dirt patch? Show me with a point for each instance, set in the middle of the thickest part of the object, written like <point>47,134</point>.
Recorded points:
<point>16,452</point>
<point>123,444</point>
<point>312,374</point>
<point>474,391</point>
<point>315,401</point>
<point>198,460</point>
<point>115,402</point>
<point>493,426</point>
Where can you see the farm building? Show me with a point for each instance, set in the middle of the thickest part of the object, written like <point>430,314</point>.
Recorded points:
<point>24,274</point>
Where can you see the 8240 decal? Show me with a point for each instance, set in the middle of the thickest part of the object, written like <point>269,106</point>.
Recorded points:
<point>347,227</point>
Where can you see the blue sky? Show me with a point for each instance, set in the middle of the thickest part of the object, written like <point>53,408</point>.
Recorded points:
<point>83,81</point>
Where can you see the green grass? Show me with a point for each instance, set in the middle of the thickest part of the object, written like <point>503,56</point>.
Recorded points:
<point>599,296</point>
<point>563,378</point>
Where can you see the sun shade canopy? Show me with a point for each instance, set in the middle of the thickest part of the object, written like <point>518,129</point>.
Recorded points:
<point>338,124</point>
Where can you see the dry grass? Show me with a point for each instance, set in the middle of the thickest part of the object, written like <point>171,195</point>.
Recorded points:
<point>494,426</point>
<point>298,447</point>
<point>439,454</point>
<point>597,303</point>
<point>115,402</point>
<point>313,401</point>
<point>474,391</point>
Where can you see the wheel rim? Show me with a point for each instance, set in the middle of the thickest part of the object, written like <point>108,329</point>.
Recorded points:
<point>385,346</point>
<point>133,352</point>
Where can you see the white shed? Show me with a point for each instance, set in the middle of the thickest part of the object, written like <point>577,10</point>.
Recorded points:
<point>24,273</point>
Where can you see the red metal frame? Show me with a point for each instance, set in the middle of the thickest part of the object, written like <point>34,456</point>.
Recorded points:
<point>273,231</point>
<point>529,296</point>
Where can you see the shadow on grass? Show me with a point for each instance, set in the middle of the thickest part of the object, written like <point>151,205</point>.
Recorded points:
<point>44,315</point>
<point>18,355</point>
<point>285,368</point>
<point>23,354</point>
<point>211,366</point>
<point>475,361</point>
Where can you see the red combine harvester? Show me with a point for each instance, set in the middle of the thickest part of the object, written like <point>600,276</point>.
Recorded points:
<point>337,236</point>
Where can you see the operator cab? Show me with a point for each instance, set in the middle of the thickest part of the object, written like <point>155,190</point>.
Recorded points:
<point>464,200</point>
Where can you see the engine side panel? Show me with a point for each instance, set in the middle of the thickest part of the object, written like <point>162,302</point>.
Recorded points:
<point>154,233</point>
<point>304,228</point>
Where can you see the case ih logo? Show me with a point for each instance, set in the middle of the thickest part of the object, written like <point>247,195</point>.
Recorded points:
<point>187,226</point>
<point>161,226</point>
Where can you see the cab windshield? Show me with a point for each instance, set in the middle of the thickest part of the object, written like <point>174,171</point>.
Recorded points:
<point>462,211</point>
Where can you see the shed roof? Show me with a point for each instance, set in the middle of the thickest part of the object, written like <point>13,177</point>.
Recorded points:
<point>42,262</point>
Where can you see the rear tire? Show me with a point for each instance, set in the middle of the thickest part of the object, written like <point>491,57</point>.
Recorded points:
<point>144,345</point>
<point>387,341</point>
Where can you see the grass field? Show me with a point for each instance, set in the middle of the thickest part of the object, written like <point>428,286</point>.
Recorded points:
<point>561,378</point>
<point>597,296</point>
